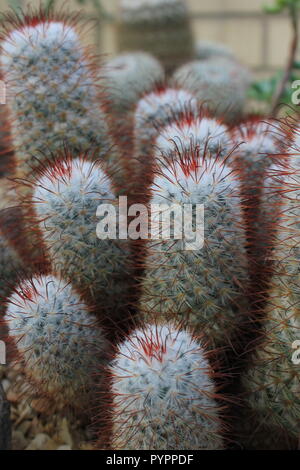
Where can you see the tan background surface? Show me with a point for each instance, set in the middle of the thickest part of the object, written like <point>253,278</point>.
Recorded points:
<point>259,40</point>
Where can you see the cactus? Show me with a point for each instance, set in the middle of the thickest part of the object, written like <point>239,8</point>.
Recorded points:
<point>259,145</point>
<point>5,424</point>
<point>66,198</point>
<point>271,383</point>
<point>209,49</point>
<point>161,28</point>
<point>128,77</point>
<point>257,141</point>
<point>164,396</point>
<point>53,97</point>
<point>153,112</point>
<point>57,341</point>
<point>219,83</point>
<point>11,268</point>
<point>194,130</point>
<point>199,285</point>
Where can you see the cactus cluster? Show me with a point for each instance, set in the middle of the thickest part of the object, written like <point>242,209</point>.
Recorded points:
<point>180,338</point>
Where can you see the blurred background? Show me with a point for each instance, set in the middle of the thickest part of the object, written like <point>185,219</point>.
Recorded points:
<point>258,39</point>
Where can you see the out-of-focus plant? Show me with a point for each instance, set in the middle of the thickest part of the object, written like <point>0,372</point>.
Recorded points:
<point>277,89</point>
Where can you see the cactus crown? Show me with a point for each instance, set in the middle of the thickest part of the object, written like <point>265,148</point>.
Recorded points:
<point>161,377</point>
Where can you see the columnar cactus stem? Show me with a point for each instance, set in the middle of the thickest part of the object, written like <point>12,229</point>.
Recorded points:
<point>161,27</point>
<point>127,78</point>
<point>5,425</point>
<point>52,96</point>
<point>164,396</point>
<point>57,341</point>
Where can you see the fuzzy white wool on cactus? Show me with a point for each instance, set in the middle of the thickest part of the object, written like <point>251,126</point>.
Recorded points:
<point>163,395</point>
<point>57,339</point>
<point>153,112</point>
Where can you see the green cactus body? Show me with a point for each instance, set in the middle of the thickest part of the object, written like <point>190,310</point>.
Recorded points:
<point>160,27</point>
<point>66,199</point>
<point>53,96</point>
<point>163,393</point>
<point>272,383</point>
<point>57,341</point>
<point>204,286</point>
<point>219,83</point>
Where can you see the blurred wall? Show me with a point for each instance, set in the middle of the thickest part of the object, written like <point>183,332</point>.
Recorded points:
<point>259,40</point>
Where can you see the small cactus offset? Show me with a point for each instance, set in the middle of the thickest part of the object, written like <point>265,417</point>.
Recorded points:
<point>164,396</point>
<point>198,284</point>
<point>160,27</point>
<point>57,341</point>
<point>219,83</point>
<point>66,198</point>
<point>53,96</point>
